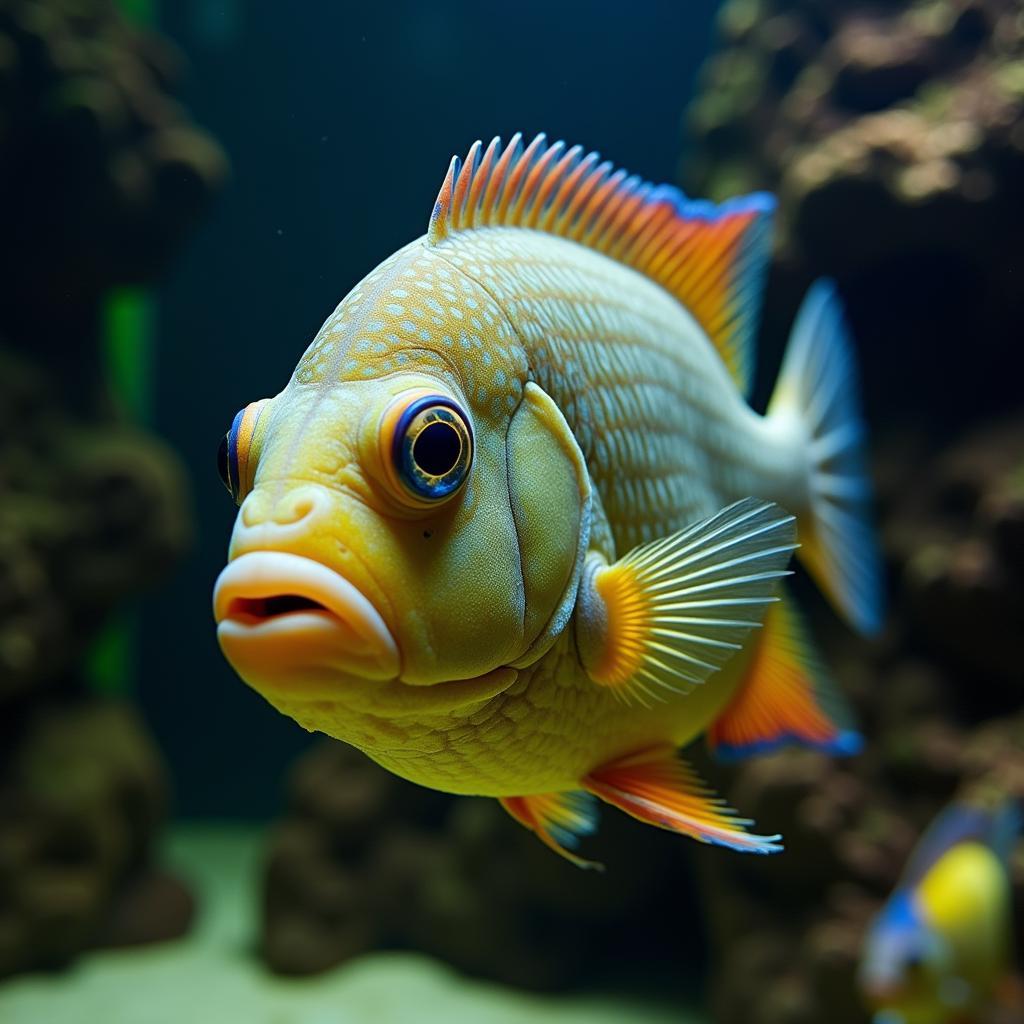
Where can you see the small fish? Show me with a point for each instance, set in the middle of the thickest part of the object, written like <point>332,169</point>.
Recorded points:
<point>512,529</point>
<point>940,949</point>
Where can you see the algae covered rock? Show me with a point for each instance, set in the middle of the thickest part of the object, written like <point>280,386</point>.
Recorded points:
<point>852,110</point>
<point>893,135</point>
<point>364,861</point>
<point>106,166</point>
<point>101,177</point>
<point>82,795</point>
<point>90,512</point>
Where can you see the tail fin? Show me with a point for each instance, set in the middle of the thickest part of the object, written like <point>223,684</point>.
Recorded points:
<point>818,385</point>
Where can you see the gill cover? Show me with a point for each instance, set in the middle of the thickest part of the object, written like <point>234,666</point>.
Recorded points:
<point>551,505</point>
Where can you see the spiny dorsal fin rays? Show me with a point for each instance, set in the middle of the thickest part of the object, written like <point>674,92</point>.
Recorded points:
<point>481,178</point>
<point>494,186</point>
<point>544,208</point>
<point>463,181</point>
<point>711,258</point>
<point>530,201</point>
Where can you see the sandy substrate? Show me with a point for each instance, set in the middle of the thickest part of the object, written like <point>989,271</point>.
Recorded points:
<point>213,978</point>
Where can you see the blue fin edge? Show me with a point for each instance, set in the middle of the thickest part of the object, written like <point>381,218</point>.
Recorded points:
<point>848,743</point>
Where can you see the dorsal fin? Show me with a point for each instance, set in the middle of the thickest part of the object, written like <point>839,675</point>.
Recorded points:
<point>711,258</point>
<point>996,827</point>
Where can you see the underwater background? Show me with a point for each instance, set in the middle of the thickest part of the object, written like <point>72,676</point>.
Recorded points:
<point>189,188</point>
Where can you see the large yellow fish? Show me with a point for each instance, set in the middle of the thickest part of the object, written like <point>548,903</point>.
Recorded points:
<point>511,526</point>
<point>940,951</point>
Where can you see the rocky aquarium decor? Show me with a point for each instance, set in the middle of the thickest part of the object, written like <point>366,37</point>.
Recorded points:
<point>90,513</point>
<point>364,861</point>
<point>893,135</point>
<point>101,176</point>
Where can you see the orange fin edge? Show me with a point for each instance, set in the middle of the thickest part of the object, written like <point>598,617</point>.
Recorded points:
<point>658,787</point>
<point>558,820</point>
<point>712,258</point>
<point>788,696</point>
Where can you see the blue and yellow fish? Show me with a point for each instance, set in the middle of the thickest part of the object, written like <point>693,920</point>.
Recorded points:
<point>512,529</point>
<point>941,948</point>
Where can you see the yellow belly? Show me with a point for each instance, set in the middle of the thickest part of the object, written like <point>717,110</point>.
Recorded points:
<point>544,734</point>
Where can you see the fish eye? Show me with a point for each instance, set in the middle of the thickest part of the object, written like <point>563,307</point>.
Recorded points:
<point>234,462</point>
<point>432,447</point>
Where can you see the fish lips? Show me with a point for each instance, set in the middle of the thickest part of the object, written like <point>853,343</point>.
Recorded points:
<point>292,626</point>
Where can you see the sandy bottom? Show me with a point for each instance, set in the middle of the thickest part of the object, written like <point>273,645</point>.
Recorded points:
<point>212,978</point>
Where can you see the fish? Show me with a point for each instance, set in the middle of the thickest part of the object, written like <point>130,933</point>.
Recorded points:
<point>940,950</point>
<point>512,528</point>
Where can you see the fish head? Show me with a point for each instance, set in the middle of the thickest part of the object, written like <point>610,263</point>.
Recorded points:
<point>404,521</point>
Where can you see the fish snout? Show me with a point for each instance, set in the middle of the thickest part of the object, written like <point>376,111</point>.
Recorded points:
<point>294,627</point>
<point>268,520</point>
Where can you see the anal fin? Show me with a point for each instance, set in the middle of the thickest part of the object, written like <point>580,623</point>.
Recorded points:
<point>787,696</point>
<point>658,787</point>
<point>558,819</point>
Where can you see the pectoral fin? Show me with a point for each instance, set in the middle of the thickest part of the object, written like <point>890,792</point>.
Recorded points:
<point>787,696</point>
<point>670,613</point>
<point>558,819</point>
<point>658,787</point>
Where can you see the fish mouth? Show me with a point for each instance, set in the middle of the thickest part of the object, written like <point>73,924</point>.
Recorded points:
<point>288,623</point>
<point>305,637</point>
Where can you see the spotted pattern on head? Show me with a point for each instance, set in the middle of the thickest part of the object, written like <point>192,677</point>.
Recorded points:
<point>419,312</point>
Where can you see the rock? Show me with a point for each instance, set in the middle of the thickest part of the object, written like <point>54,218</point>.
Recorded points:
<point>106,156</point>
<point>151,906</point>
<point>90,512</point>
<point>893,136</point>
<point>82,794</point>
<point>364,861</point>
<point>101,177</point>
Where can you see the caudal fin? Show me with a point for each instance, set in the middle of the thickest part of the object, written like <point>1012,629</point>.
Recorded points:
<point>818,385</point>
